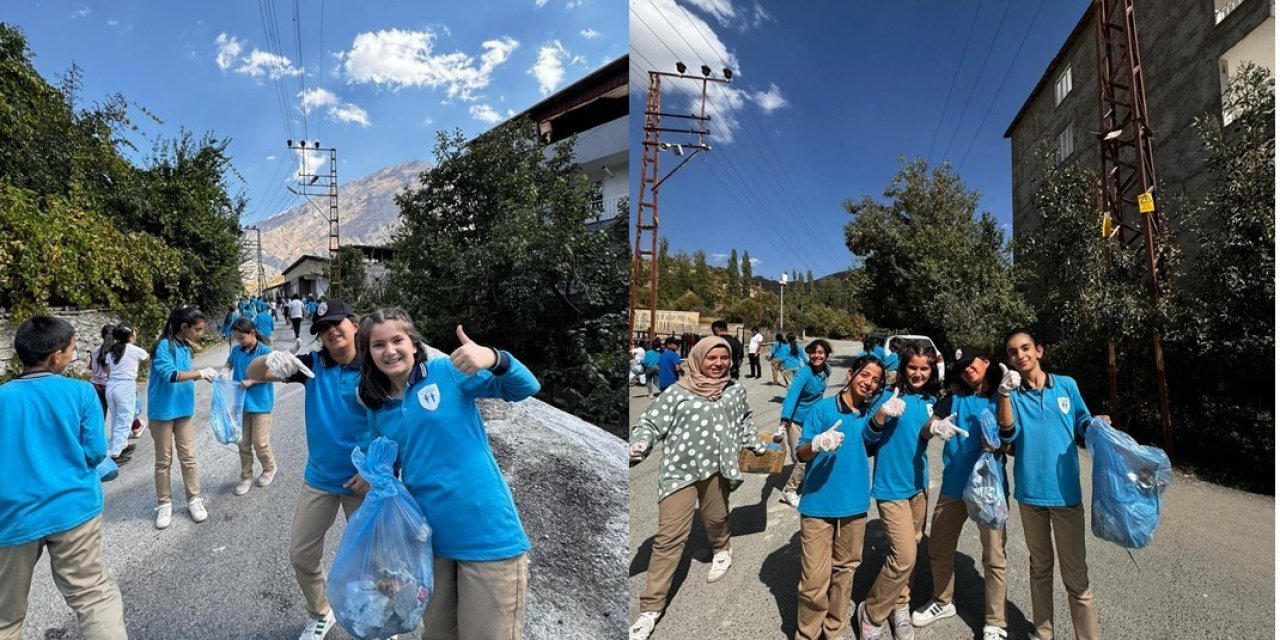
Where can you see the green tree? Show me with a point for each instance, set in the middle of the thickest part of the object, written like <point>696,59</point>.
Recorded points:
<point>746,274</point>
<point>351,274</point>
<point>700,280</point>
<point>733,279</point>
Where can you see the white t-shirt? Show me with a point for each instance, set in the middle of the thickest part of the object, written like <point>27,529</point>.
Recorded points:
<point>754,347</point>
<point>637,354</point>
<point>127,367</point>
<point>295,309</point>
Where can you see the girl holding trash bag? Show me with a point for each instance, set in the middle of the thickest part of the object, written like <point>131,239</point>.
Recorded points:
<point>704,421</point>
<point>336,424</point>
<point>428,408</point>
<point>834,500</point>
<point>1042,414</point>
<point>898,484</point>
<point>259,400</point>
<point>806,390</point>
<point>171,401</point>
<point>955,421</point>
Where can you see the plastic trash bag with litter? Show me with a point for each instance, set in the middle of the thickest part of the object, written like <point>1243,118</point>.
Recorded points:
<point>382,575</point>
<point>986,496</point>
<point>1129,481</point>
<point>227,412</point>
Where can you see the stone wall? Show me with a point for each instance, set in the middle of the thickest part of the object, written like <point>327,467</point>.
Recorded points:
<point>88,324</point>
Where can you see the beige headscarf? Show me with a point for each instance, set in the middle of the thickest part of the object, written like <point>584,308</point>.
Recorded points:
<point>696,380</point>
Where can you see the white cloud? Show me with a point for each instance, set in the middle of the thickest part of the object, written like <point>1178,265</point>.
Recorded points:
<point>309,162</point>
<point>406,59</point>
<point>755,261</point>
<point>270,158</point>
<point>770,100</point>
<point>511,113</point>
<point>540,3</point>
<point>338,109</point>
<point>759,16</point>
<point>549,70</point>
<point>721,10</point>
<point>228,48</point>
<point>348,112</point>
<point>589,33</point>
<point>720,257</point>
<point>82,12</point>
<point>311,99</point>
<point>428,120</point>
<point>262,63</point>
<point>113,23</point>
<point>485,113</point>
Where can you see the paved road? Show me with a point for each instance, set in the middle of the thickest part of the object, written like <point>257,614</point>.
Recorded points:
<point>1208,574</point>
<point>229,578</point>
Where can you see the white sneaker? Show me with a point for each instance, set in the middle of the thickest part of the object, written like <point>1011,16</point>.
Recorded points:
<point>164,515</point>
<point>720,564</point>
<point>900,624</point>
<point>243,487</point>
<point>642,628</point>
<point>317,627</point>
<point>932,612</point>
<point>993,633</point>
<point>196,507</point>
<point>266,477</point>
<point>792,498</point>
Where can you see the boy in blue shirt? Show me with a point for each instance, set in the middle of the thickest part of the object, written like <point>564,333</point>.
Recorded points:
<point>669,364</point>
<point>54,438</point>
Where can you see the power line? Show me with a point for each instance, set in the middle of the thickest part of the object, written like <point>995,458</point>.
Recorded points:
<point>973,89</point>
<point>302,68</point>
<point>947,103</point>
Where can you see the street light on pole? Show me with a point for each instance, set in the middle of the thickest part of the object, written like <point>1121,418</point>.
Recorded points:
<point>782,296</point>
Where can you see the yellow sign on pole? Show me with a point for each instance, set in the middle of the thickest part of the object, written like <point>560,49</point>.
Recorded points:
<point>1146,204</point>
<point>1106,225</point>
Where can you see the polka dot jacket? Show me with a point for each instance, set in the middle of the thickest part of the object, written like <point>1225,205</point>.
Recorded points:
<point>702,438</point>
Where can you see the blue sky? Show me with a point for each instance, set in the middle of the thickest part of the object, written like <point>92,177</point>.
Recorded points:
<point>376,79</point>
<point>826,96</point>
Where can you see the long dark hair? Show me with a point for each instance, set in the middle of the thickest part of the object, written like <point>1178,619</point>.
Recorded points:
<point>375,386</point>
<point>120,334</point>
<point>181,315</point>
<point>913,349</point>
<point>795,348</point>
<point>858,365</point>
<point>814,346</point>
<point>107,330</point>
<point>245,325</point>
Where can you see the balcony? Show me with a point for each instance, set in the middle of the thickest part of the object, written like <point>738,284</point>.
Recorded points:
<point>605,208</point>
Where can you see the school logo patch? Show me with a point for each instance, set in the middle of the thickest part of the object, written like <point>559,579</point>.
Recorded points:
<point>959,353</point>
<point>322,309</point>
<point>429,397</point>
<point>1065,405</point>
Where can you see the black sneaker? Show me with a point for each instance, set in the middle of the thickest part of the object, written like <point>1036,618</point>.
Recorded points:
<point>121,459</point>
<point>128,451</point>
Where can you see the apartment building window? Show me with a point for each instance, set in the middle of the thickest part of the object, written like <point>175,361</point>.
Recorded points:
<point>1062,87</point>
<point>1066,144</point>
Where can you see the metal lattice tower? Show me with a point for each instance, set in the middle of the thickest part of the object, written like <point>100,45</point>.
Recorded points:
<point>1128,169</point>
<point>314,182</point>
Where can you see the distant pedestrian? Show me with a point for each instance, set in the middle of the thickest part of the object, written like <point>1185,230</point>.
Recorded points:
<point>263,322</point>
<point>669,364</point>
<point>753,352</point>
<point>775,357</point>
<point>650,362</point>
<point>98,367</point>
<point>637,364</point>
<point>295,317</point>
<point>123,358</point>
<point>259,400</point>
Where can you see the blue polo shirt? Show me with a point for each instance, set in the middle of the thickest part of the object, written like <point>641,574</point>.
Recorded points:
<point>890,360</point>
<point>805,391</point>
<point>264,323</point>
<point>667,363</point>
<point>961,453</point>
<point>902,462</point>
<point>1046,467</point>
<point>837,483</point>
<point>445,459</point>
<point>53,438</point>
<point>650,359</point>
<point>261,397</point>
<point>792,361</point>
<point>168,399</point>
<point>336,422</point>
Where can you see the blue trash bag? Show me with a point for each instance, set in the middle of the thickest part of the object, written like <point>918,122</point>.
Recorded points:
<point>1129,481</point>
<point>986,496</point>
<point>227,412</point>
<point>108,470</point>
<point>381,580</point>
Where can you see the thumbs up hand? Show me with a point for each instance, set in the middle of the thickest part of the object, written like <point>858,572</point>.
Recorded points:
<point>471,357</point>
<point>829,440</point>
<point>894,406</point>
<point>1009,380</point>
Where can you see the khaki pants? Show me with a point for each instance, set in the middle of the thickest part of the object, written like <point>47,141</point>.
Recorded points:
<point>830,552</point>
<point>256,439</point>
<point>312,517</point>
<point>903,522</point>
<point>675,521</point>
<point>168,435</point>
<point>949,516</point>
<point>75,557</point>
<point>797,470</point>
<point>1063,528</point>
<point>477,600</point>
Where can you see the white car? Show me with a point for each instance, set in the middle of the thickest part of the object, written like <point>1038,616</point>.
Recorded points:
<point>883,342</point>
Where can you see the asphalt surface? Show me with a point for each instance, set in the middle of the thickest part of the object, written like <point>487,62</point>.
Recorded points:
<point>1208,574</point>
<point>230,577</point>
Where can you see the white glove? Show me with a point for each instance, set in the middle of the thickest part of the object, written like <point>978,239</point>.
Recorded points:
<point>471,358</point>
<point>894,406</point>
<point>1009,380</point>
<point>638,451</point>
<point>759,448</point>
<point>781,434</point>
<point>829,440</point>
<point>945,429</point>
<point>283,365</point>
<point>208,374</point>
<point>224,373</point>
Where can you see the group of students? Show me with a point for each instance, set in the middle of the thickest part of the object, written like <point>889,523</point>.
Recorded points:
<point>705,421</point>
<point>371,378</point>
<point>263,316</point>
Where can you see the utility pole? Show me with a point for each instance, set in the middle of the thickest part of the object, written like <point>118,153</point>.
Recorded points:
<point>1128,173</point>
<point>313,181</point>
<point>256,248</point>
<point>646,246</point>
<point>782,297</point>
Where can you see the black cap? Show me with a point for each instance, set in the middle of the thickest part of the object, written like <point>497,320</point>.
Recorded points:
<point>965,356</point>
<point>332,311</point>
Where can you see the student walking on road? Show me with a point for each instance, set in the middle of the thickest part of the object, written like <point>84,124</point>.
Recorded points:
<point>809,386</point>
<point>704,421</point>
<point>99,370</point>
<point>123,359</point>
<point>259,400</point>
<point>753,352</point>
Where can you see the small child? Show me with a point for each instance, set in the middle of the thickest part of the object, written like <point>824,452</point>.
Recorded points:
<point>122,389</point>
<point>98,367</point>
<point>51,498</point>
<point>428,407</point>
<point>259,400</point>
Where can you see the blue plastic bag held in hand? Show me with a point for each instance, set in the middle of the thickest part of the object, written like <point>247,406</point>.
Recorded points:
<point>108,470</point>
<point>381,579</point>
<point>985,496</point>
<point>227,412</point>
<point>1129,480</point>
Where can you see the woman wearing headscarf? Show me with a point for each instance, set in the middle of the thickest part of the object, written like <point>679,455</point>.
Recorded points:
<point>704,420</point>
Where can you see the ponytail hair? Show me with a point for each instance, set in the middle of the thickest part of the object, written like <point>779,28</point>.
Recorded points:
<point>181,315</point>
<point>120,335</point>
<point>375,386</point>
<point>795,348</point>
<point>107,331</point>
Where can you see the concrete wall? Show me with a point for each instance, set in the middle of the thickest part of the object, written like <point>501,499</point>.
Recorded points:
<point>88,324</point>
